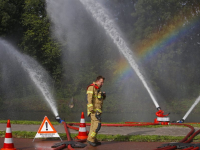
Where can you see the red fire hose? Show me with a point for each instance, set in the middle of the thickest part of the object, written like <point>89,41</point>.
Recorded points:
<point>193,135</point>
<point>189,134</point>
<point>183,140</point>
<point>68,135</point>
<point>187,141</point>
<point>68,138</point>
<point>190,140</point>
<point>146,124</point>
<point>129,124</point>
<point>60,147</point>
<point>74,128</point>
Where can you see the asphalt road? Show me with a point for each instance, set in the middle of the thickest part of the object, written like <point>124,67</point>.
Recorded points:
<point>165,130</point>
<point>45,144</point>
<point>38,144</point>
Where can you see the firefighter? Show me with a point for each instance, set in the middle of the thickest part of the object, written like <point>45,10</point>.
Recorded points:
<point>94,108</point>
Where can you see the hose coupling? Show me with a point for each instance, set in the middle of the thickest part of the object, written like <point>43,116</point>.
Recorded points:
<point>158,108</point>
<point>59,119</point>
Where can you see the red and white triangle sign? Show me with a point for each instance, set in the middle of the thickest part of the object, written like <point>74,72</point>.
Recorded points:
<point>46,130</point>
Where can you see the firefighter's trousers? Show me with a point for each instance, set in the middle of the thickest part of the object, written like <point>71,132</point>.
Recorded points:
<point>94,128</point>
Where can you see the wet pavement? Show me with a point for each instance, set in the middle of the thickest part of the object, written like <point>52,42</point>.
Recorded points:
<point>45,144</point>
<point>38,144</point>
<point>165,130</point>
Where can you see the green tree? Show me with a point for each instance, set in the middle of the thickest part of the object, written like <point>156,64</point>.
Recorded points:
<point>37,40</point>
<point>10,19</point>
<point>173,70</point>
<point>155,18</point>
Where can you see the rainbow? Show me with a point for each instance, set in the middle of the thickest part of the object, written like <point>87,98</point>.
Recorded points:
<point>160,41</point>
<point>123,70</point>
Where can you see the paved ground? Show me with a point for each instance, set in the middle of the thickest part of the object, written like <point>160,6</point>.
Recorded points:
<point>165,130</point>
<point>27,144</point>
<point>45,144</point>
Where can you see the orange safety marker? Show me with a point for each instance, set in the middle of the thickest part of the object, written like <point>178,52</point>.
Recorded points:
<point>8,142</point>
<point>46,130</point>
<point>82,129</point>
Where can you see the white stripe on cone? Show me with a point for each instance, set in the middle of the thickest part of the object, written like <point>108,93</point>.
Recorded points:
<point>82,121</point>
<point>81,129</point>
<point>8,140</point>
<point>8,130</point>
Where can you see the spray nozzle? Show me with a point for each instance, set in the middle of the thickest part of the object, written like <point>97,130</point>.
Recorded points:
<point>59,119</point>
<point>158,108</point>
<point>181,121</point>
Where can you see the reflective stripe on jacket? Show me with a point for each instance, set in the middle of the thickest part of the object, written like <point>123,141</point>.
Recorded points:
<point>94,98</point>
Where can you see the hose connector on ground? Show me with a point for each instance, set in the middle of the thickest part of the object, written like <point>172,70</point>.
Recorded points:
<point>59,119</point>
<point>181,121</point>
<point>158,108</point>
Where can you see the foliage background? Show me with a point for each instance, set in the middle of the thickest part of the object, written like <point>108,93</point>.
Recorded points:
<point>173,73</point>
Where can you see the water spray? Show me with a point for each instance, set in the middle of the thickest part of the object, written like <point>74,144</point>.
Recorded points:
<point>71,103</point>
<point>190,110</point>
<point>102,18</point>
<point>35,72</point>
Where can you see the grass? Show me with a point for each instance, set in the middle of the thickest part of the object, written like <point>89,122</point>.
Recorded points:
<point>56,123</point>
<point>102,137</point>
<point>26,122</point>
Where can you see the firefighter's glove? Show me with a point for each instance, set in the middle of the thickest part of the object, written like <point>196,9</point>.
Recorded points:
<point>103,95</point>
<point>98,115</point>
<point>91,109</point>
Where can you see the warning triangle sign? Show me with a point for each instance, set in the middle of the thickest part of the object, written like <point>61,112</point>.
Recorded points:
<point>46,130</point>
<point>46,127</point>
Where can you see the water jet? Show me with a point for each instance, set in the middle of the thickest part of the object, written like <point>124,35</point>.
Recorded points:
<point>35,71</point>
<point>106,22</point>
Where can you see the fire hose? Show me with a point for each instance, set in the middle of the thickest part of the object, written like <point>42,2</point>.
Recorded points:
<point>68,138</point>
<point>69,144</point>
<point>186,139</point>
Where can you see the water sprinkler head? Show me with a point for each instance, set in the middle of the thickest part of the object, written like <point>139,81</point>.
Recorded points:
<point>158,108</point>
<point>59,119</point>
<point>181,121</point>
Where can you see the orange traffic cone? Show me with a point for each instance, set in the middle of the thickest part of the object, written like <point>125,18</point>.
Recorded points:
<point>8,142</point>
<point>82,129</point>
